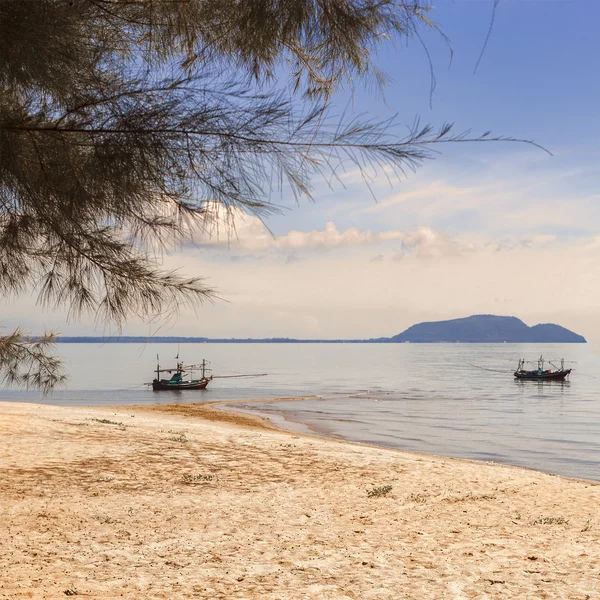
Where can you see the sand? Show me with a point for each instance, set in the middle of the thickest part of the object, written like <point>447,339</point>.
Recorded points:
<point>185,502</point>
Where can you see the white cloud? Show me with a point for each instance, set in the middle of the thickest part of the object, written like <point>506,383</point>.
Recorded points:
<point>534,241</point>
<point>331,237</point>
<point>233,227</point>
<point>429,243</point>
<point>241,231</point>
<point>248,238</point>
<point>434,191</point>
<point>248,232</point>
<point>493,202</point>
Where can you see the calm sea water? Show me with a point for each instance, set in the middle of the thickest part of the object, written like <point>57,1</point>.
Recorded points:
<point>422,397</point>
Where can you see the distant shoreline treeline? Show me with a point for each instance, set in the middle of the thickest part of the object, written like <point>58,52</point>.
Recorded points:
<point>203,340</point>
<point>476,329</point>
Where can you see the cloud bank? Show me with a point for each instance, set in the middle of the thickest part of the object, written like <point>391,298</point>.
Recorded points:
<point>247,234</point>
<point>244,232</point>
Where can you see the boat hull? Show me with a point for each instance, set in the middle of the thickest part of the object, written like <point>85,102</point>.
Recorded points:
<point>535,376</point>
<point>164,385</point>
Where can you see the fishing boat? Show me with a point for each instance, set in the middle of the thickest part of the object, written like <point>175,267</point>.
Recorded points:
<point>541,374</point>
<point>177,382</point>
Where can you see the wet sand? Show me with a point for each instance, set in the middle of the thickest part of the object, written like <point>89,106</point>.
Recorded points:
<point>188,501</point>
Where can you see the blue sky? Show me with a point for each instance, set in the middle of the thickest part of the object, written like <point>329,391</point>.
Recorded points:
<point>538,79</point>
<point>473,231</point>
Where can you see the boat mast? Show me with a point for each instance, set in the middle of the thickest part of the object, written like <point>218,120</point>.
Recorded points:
<point>157,369</point>
<point>203,366</point>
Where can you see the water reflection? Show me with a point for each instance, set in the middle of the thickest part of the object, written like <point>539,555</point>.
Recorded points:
<point>543,388</point>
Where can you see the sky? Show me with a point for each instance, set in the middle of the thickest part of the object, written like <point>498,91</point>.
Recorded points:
<point>496,228</point>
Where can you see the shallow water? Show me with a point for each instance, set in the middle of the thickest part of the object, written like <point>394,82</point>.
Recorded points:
<point>422,397</point>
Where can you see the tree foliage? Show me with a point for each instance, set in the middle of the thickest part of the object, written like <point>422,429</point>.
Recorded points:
<point>123,123</point>
<point>29,361</point>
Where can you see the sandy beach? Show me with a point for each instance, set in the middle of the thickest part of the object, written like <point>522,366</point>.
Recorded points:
<point>186,501</point>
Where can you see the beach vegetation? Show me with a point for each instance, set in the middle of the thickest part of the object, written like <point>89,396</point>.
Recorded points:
<point>379,491</point>
<point>104,519</point>
<point>191,479</point>
<point>550,521</point>
<point>108,422</point>
<point>178,438</point>
<point>587,526</point>
<point>418,498</point>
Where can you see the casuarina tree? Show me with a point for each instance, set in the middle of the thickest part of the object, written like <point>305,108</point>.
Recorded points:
<point>126,125</point>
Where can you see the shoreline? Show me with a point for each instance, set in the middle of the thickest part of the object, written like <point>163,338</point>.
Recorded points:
<point>209,410</point>
<point>260,419</point>
<point>195,502</point>
<point>310,430</point>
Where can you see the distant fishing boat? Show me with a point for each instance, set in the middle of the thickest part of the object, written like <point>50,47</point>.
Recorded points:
<point>541,374</point>
<point>177,382</point>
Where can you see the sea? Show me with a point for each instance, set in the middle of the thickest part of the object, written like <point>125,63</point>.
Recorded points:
<point>444,399</point>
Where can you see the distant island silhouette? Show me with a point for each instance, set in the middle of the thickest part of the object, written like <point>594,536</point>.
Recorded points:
<point>476,329</point>
<point>487,329</point>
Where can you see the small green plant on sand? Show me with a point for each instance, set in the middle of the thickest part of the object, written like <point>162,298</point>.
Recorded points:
<point>107,422</point>
<point>178,438</point>
<point>104,519</point>
<point>379,491</point>
<point>587,526</point>
<point>197,478</point>
<point>550,521</point>
<point>418,498</point>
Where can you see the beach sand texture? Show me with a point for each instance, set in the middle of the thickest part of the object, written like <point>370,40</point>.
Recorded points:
<point>106,503</point>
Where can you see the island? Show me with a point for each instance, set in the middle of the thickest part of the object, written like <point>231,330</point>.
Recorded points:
<point>490,329</point>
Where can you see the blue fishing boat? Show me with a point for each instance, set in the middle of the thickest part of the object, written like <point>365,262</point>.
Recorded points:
<point>177,381</point>
<point>542,374</point>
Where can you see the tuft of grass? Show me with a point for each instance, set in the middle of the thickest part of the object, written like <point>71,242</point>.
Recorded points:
<point>587,526</point>
<point>107,422</point>
<point>178,438</point>
<point>550,521</point>
<point>379,491</point>
<point>105,519</point>
<point>418,498</point>
<point>190,479</point>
